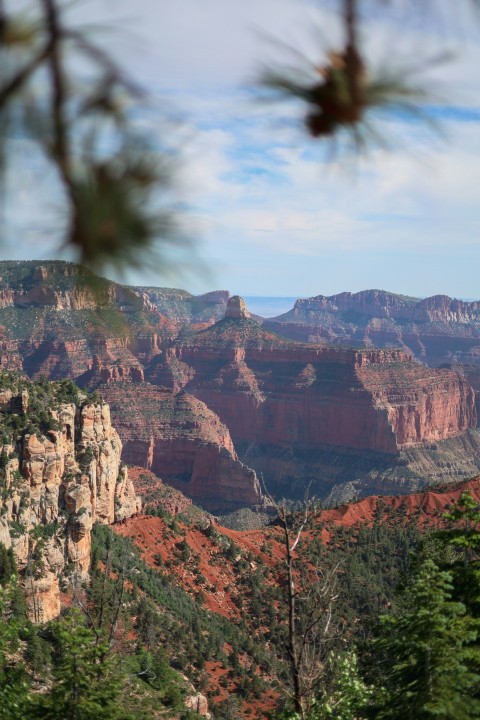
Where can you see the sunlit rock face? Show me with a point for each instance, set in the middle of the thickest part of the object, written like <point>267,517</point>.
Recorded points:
<point>236,308</point>
<point>58,482</point>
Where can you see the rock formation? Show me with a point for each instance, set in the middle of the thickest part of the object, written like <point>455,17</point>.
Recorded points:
<point>156,494</point>
<point>61,472</point>
<point>436,330</point>
<point>237,309</point>
<point>298,413</point>
<point>182,441</point>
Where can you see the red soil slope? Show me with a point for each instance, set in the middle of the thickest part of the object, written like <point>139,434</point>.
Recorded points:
<point>196,558</point>
<point>426,508</point>
<point>208,571</point>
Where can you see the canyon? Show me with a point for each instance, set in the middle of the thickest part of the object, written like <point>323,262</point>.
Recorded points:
<point>211,400</point>
<point>308,415</point>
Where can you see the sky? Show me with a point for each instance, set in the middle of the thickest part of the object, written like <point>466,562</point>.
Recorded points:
<point>271,211</point>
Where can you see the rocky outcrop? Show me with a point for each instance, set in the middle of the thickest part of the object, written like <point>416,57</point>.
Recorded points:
<point>197,703</point>
<point>182,441</point>
<point>237,308</point>
<point>59,478</point>
<point>436,330</point>
<point>156,494</point>
<point>10,358</point>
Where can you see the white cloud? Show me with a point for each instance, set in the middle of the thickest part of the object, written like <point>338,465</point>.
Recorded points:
<point>270,208</point>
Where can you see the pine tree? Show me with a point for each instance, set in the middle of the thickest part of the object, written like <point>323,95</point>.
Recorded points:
<point>430,653</point>
<point>13,680</point>
<point>462,540</point>
<point>86,686</point>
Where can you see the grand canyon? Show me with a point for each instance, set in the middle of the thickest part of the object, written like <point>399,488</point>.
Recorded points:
<point>215,403</point>
<point>257,498</point>
<point>117,401</point>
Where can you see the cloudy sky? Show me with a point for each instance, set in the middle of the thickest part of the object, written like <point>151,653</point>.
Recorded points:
<point>273,212</point>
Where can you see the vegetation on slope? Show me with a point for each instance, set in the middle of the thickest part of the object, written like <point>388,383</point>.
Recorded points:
<point>175,597</point>
<point>41,399</point>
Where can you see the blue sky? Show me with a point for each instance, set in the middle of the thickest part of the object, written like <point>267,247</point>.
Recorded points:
<point>272,212</point>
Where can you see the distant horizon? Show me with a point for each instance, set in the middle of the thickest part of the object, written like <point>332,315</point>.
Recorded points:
<point>252,296</point>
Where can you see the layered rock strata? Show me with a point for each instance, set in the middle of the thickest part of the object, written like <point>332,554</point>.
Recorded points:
<point>57,481</point>
<point>298,413</point>
<point>181,440</point>
<point>436,330</point>
<point>379,400</point>
<point>294,411</point>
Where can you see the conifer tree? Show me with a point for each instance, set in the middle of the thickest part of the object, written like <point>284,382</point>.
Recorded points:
<point>430,654</point>
<point>86,687</point>
<point>463,542</point>
<point>13,684</point>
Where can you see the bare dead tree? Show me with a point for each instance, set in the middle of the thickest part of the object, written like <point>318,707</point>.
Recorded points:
<point>310,598</point>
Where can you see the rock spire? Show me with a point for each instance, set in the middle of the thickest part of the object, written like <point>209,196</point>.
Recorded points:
<point>236,308</point>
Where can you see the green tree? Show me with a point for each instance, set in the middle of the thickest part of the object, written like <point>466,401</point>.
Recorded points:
<point>86,684</point>
<point>348,695</point>
<point>462,551</point>
<point>7,564</point>
<point>13,682</point>
<point>37,653</point>
<point>430,654</point>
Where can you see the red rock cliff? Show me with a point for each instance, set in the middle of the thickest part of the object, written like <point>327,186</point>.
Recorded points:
<point>182,441</point>
<point>273,392</point>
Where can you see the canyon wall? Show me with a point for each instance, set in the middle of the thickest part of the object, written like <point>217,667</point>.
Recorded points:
<point>368,400</point>
<point>436,330</point>
<point>300,414</point>
<point>181,440</point>
<point>58,479</point>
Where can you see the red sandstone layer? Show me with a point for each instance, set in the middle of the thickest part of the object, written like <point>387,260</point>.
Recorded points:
<point>182,441</point>
<point>377,400</point>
